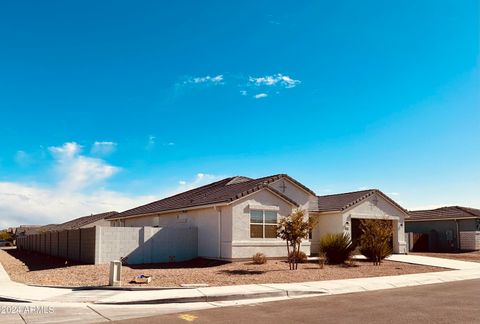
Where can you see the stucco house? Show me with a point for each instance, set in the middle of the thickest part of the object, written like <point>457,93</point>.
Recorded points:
<point>80,222</point>
<point>237,216</point>
<point>448,228</point>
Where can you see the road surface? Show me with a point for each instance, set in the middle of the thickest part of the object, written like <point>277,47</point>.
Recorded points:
<point>456,302</point>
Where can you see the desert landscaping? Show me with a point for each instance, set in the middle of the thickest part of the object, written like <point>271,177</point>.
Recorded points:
<point>37,269</point>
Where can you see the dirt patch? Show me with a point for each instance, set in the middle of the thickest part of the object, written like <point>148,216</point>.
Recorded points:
<point>34,268</point>
<point>462,256</point>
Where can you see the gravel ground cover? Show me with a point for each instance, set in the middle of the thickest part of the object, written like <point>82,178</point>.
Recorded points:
<point>462,256</point>
<point>37,269</point>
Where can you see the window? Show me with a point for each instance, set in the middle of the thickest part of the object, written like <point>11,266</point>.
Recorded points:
<point>263,224</point>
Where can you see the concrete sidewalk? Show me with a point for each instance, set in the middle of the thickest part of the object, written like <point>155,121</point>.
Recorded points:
<point>435,262</point>
<point>463,271</point>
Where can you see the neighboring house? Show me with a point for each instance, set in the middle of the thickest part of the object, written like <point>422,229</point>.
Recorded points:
<point>444,229</point>
<point>24,230</point>
<point>237,216</point>
<point>81,222</point>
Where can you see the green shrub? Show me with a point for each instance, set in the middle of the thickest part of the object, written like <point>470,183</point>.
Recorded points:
<point>301,257</point>
<point>379,252</point>
<point>375,242</point>
<point>259,258</point>
<point>337,248</point>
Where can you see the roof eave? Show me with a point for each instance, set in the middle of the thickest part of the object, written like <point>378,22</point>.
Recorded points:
<point>117,217</point>
<point>441,219</point>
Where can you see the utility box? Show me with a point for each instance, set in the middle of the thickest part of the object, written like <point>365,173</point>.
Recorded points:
<point>115,273</point>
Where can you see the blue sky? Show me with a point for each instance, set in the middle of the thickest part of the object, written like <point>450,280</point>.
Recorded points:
<point>105,105</point>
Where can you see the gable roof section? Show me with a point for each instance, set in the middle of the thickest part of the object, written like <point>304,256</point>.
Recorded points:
<point>76,223</point>
<point>343,201</point>
<point>444,213</point>
<point>221,192</point>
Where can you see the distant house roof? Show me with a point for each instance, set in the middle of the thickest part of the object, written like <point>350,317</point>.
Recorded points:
<point>223,191</point>
<point>444,213</point>
<point>343,201</point>
<point>27,229</point>
<point>76,223</point>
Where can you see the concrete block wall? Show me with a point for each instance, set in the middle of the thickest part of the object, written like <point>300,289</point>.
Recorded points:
<point>48,248</point>
<point>117,242</point>
<point>146,244</point>
<point>63,244</point>
<point>104,244</point>
<point>87,252</point>
<point>73,251</point>
<point>41,242</point>
<point>54,243</point>
<point>470,240</point>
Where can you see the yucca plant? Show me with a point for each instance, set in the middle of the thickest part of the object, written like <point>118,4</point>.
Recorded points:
<point>337,248</point>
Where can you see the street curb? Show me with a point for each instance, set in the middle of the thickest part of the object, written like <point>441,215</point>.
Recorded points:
<point>111,288</point>
<point>13,300</point>
<point>217,298</point>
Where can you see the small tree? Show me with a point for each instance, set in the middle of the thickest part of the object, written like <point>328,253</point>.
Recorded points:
<point>375,241</point>
<point>293,229</point>
<point>4,235</point>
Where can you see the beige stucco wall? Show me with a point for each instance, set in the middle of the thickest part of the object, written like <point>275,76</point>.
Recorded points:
<point>245,247</point>
<point>327,223</point>
<point>382,209</point>
<point>207,220</point>
<point>100,222</point>
<point>294,192</point>
<point>336,222</point>
<point>224,232</point>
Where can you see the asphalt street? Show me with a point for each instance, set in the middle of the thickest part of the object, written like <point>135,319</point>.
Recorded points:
<point>455,302</point>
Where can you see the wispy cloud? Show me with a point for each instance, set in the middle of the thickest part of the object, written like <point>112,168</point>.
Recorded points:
<point>22,158</point>
<point>393,194</point>
<point>150,143</point>
<point>78,190</point>
<point>36,204</point>
<point>260,95</point>
<point>262,85</point>
<point>213,80</point>
<point>274,80</point>
<point>79,171</point>
<point>199,180</point>
<point>103,148</point>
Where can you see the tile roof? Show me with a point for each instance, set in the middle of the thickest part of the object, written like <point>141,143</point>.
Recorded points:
<point>76,223</point>
<point>223,191</point>
<point>27,229</point>
<point>449,212</point>
<point>342,201</point>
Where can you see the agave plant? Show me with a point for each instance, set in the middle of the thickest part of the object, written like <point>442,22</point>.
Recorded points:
<point>337,248</point>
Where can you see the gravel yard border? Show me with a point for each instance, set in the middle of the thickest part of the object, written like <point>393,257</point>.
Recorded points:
<point>37,269</point>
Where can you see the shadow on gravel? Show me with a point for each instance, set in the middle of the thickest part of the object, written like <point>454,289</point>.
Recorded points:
<point>37,261</point>
<point>192,264</point>
<point>242,272</point>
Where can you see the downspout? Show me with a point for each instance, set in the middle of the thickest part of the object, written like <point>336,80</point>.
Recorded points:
<point>458,235</point>
<point>219,226</point>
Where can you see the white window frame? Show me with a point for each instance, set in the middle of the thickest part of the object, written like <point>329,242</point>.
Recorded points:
<point>263,223</point>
